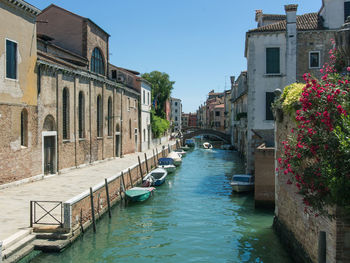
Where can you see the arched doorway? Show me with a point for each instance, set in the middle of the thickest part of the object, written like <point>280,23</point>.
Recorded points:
<point>49,146</point>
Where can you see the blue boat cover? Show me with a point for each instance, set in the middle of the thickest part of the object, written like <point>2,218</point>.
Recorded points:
<point>165,161</point>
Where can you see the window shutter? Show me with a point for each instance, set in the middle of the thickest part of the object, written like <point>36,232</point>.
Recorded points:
<point>11,59</point>
<point>346,10</point>
<point>272,60</point>
<point>270,97</point>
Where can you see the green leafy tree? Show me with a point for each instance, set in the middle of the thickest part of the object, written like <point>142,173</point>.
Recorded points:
<point>161,90</point>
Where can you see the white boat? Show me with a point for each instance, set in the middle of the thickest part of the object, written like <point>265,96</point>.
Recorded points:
<point>176,157</point>
<point>242,183</point>
<point>180,151</point>
<point>155,177</point>
<point>207,145</point>
<point>167,164</point>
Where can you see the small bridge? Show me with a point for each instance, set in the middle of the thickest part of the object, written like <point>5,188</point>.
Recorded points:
<point>223,136</point>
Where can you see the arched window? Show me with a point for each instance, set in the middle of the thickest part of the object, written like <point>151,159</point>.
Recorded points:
<point>144,135</point>
<point>81,115</point>
<point>65,113</point>
<point>24,127</point>
<point>130,133</point>
<point>109,116</point>
<point>99,116</point>
<point>97,64</point>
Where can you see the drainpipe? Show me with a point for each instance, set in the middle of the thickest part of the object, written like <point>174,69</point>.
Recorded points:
<point>291,40</point>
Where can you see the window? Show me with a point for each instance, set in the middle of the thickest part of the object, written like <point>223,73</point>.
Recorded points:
<point>24,127</point>
<point>81,114</point>
<point>65,113</point>
<point>11,59</point>
<point>175,111</point>
<point>109,116</point>
<point>135,104</point>
<point>175,103</point>
<point>175,118</point>
<point>147,98</point>
<point>217,113</point>
<point>144,97</point>
<point>99,116</point>
<point>272,60</point>
<point>314,59</point>
<point>270,97</point>
<point>114,74</point>
<point>130,128</point>
<point>346,10</point>
<point>144,135</point>
<point>97,64</point>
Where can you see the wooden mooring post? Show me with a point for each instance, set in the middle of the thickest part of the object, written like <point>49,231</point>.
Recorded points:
<point>108,201</point>
<point>322,247</point>
<point>169,150</point>
<point>154,159</point>
<point>163,147</point>
<point>81,221</point>
<point>146,163</point>
<point>130,177</point>
<point>122,175</point>
<point>121,188</point>
<point>157,154</point>
<point>92,210</point>
<point>140,167</point>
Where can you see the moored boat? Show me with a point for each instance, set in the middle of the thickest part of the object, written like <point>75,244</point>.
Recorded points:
<point>190,142</point>
<point>155,177</point>
<point>180,151</point>
<point>167,164</point>
<point>139,194</point>
<point>242,183</point>
<point>185,148</point>
<point>176,157</point>
<point>207,145</point>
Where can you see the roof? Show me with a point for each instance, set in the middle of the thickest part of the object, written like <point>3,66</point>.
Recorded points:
<point>273,17</point>
<point>25,6</point>
<point>81,17</point>
<point>310,21</point>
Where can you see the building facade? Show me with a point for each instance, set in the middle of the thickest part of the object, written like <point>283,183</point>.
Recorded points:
<point>145,118</point>
<point>19,149</point>
<point>176,111</point>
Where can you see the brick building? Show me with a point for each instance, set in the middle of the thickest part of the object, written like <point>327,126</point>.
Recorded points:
<point>19,150</point>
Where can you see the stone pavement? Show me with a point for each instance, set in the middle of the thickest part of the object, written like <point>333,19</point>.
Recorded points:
<point>15,201</point>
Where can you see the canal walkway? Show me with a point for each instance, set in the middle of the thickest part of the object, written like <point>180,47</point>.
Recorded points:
<point>14,201</point>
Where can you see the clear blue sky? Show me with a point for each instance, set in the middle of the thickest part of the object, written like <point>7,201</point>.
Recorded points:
<point>199,43</point>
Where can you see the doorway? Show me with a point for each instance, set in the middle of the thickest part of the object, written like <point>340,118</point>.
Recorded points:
<point>49,153</point>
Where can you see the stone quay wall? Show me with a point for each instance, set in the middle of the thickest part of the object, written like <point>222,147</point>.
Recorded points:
<point>78,210</point>
<point>299,231</point>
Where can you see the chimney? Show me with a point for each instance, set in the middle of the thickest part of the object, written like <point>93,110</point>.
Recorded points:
<point>232,78</point>
<point>258,17</point>
<point>291,40</point>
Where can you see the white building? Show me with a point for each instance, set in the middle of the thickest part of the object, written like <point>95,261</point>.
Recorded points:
<point>145,128</point>
<point>279,51</point>
<point>176,110</point>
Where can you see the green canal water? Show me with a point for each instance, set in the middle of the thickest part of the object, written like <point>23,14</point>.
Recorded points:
<point>193,217</point>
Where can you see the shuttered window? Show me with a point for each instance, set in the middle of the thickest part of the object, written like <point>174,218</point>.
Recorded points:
<point>65,113</point>
<point>81,107</point>
<point>11,59</point>
<point>272,60</point>
<point>270,97</point>
<point>346,10</point>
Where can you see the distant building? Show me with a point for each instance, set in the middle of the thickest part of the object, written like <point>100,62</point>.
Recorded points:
<point>145,118</point>
<point>184,120</point>
<point>218,113</point>
<point>176,111</point>
<point>192,120</point>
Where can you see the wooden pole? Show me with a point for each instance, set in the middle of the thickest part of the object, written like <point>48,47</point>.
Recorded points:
<point>92,210</point>
<point>120,187</point>
<point>81,221</point>
<point>31,214</point>
<point>132,185</point>
<point>157,154</point>
<point>169,150</point>
<point>146,163</point>
<point>122,175</point>
<point>154,159</point>
<point>108,201</point>
<point>140,167</point>
<point>163,151</point>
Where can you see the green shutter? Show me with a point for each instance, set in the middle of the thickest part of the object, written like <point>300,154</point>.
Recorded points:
<point>270,97</point>
<point>272,60</point>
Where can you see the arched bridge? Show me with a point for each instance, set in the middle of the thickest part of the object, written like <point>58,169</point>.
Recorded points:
<point>223,136</point>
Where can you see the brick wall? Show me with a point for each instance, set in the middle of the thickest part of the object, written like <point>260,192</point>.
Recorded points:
<point>300,231</point>
<point>264,193</point>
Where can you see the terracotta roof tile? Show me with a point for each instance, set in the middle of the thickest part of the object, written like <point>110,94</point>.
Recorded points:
<point>305,22</point>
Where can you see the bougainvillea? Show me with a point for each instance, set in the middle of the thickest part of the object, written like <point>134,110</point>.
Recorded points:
<point>316,154</point>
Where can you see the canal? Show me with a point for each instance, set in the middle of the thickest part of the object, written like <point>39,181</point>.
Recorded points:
<point>193,217</point>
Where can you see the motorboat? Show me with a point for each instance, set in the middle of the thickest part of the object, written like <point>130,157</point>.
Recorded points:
<point>242,183</point>
<point>207,145</point>
<point>155,177</point>
<point>176,157</point>
<point>181,152</point>
<point>185,148</point>
<point>139,194</point>
<point>167,164</point>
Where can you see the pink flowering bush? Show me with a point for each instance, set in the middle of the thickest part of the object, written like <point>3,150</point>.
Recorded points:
<point>316,156</point>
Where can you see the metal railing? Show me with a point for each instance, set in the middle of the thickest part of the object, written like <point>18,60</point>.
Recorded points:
<point>46,213</point>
